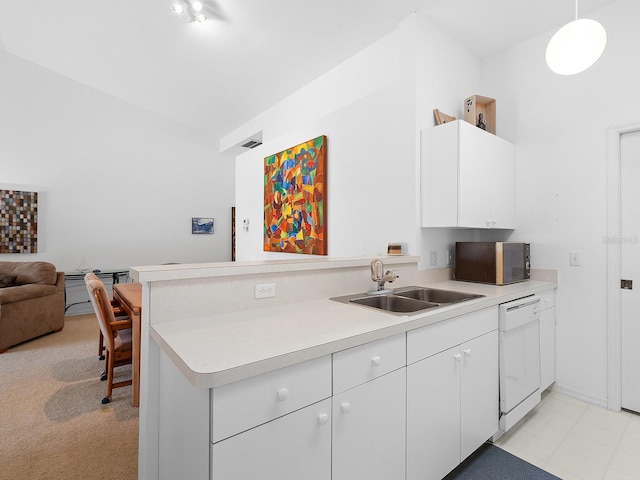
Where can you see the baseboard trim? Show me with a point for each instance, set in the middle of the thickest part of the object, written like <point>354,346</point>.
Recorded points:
<point>578,395</point>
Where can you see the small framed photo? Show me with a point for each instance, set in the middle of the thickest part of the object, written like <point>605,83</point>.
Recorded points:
<point>201,225</point>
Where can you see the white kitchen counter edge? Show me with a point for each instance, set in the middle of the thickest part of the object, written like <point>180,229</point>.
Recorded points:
<point>220,349</point>
<point>154,273</point>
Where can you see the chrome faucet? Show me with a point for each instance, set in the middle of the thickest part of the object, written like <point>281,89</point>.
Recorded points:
<point>377,275</point>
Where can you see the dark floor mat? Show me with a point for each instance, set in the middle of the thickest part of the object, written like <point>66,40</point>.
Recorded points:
<point>493,463</point>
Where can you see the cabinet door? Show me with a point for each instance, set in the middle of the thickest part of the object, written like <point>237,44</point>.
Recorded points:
<point>547,348</point>
<point>433,415</point>
<point>479,392</point>
<point>369,430</point>
<point>486,179</point>
<point>439,175</point>
<point>475,176</point>
<point>296,446</point>
<point>501,169</point>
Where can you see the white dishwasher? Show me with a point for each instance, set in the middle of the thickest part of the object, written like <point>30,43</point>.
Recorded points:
<point>519,359</point>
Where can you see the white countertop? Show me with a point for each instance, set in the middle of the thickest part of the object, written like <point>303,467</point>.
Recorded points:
<point>215,350</point>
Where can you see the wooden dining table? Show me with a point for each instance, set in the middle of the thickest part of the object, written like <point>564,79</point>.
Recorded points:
<point>129,295</point>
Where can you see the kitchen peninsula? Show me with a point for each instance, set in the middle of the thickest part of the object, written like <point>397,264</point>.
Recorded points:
<point>232,384</point>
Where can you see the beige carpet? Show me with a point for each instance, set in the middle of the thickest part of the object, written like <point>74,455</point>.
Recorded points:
<point>53,425</point>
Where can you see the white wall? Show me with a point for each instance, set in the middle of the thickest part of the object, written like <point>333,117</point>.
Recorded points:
<point>369,128</point>
<point>372,108</point>
<point>117,185</point>
<point>559,127</point>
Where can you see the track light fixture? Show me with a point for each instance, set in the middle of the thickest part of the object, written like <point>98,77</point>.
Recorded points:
<point>192,10</point>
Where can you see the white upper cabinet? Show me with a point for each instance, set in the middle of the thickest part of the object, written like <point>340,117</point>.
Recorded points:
<point>467,178</point>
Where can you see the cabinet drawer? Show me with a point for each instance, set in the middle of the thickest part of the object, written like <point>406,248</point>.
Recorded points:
<point>358,365</point>
<point>242,405</point>
<point>426,341</point>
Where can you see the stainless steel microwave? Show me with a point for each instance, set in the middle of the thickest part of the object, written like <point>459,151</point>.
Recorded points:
<point>498,263</point>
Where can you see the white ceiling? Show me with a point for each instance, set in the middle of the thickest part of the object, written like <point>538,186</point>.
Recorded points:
<point>250,54</point>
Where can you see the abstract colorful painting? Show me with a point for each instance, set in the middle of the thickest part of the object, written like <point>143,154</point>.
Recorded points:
<point>295,215</point>
<point>18,221</point>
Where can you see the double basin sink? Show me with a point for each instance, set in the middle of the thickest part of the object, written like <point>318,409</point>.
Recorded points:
<point>406,300</point>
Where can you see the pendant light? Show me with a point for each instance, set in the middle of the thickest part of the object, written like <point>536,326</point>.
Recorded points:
<point>576,46</point>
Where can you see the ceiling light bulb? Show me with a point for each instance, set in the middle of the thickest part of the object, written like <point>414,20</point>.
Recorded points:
<point>202,18</point>
<point>197,5</point>
<point>576,46</point>
<point>178,8</point>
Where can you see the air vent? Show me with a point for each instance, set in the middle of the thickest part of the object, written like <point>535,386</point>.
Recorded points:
<point>252,144</point>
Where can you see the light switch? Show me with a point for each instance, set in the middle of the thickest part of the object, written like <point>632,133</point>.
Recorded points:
<point>574,259</point>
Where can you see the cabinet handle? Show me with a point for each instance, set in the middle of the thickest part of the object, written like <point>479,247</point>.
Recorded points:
<point>467,352</point>
<point>345,407</point>
<point>375,361</point>
<point>283,394</point>
<point>323,418</point>
<point>458,357</point>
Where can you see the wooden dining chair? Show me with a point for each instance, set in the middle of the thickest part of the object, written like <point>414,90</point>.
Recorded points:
<point>117,339</point>
<point>118,313</point>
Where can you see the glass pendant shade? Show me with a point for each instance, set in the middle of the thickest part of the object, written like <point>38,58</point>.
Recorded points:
<point>576,46</point>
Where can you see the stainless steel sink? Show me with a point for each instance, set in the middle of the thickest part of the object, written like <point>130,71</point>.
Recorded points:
<point>435,295</point>
<point>406,300</point>
<point>393,303</point>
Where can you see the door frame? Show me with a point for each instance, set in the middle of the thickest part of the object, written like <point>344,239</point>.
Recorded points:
<point>613,242</point>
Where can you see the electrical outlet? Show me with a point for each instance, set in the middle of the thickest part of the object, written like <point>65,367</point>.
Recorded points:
<point>433,258</point>
<point>265,290</point>
<point>450,258</point>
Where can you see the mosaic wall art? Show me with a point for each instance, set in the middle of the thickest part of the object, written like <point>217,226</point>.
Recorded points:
<point>295,215</point>
<point>18,221</point>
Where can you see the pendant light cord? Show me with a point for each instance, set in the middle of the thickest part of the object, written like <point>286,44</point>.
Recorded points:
<point>576,9</point>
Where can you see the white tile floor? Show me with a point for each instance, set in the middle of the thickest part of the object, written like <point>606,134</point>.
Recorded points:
<point>575,440</point>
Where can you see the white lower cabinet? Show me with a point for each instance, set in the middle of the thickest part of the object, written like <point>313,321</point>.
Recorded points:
<point>479,392</point>
<point>293,447</point>
<point>452,397</point>
<point>369,411</point>
<point>433,416</point>
<point>359,413</point>
<point>369,430</point>
<point>547,340</point>
<point>274,426</point>
<point>357,433</point>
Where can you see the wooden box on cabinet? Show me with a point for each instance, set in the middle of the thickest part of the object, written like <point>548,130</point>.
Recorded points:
<point>477,105</point>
